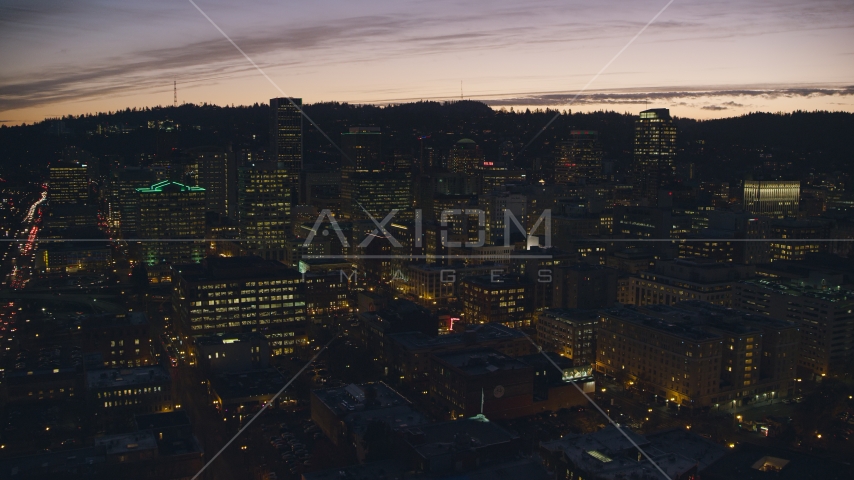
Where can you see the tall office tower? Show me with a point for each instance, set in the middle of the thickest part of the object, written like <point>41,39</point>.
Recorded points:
<point>579,158</point>
<point>286,137</point>
<point>363,149</point>
<point>772,199</point>
<point>655,153</point>
<point>216,173</point>
<point>507,155</point>
<point>367,181</point>
<point>171,214</point>
<point>68,184</point>
<point>123,200</point>
<point>466,157</point>
<point>242,294</point>
<point>264,211</point>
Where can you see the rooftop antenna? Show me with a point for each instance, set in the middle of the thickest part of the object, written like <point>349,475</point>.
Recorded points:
<point>461,89</point>
<point>175,92</point>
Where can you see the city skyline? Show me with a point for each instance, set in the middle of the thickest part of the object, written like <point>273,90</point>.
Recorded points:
<point>720,59</point>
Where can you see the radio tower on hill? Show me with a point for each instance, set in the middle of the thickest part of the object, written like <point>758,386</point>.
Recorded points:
<point>175,92</point>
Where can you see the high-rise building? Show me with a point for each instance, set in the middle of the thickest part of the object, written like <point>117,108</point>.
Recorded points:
<point>466,157</point>
<point>216,173</point>
<point>171,214</point>
<point>286,138</point>
<point>242,294</point>
<point>68,184</point>
<point>123,207</point>
<point>264,209</point>
<point>363,149</point>
<point>579,158</point>
<point>367,182</point>
<point>772,198</point>
<point>655,153</point>
<point>822,312</point>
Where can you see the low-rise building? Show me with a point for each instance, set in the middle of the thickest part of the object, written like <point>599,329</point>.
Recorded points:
<point>698,355</point>
<point>232,353</point>
<point>612,454</point>
<point>121,340</point>
<point>409,352</point>
<point>130,390</point>
<point>344,414</point>
<point>822,312</point>
<point>467,382</point>
<point>673,281</point>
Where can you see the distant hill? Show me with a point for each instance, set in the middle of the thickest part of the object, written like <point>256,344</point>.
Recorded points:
<point>720,149</point>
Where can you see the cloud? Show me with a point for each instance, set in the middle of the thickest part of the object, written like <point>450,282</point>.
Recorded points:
<point>713,107</point>
<point>618,97</point>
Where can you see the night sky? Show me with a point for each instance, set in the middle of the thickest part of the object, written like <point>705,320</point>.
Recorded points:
<point>702,59</point>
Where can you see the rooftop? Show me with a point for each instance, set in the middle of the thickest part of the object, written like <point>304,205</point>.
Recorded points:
<point>177,418</point>
<point>363,397</point>
<point>482,333</point>
<point>802,289</point>
<point>609,454</point>
<point>168,185</point>
<point>440,438</point>
<point>117,444</point>
<point>482,361</point>
<point>235,268</point>
<point>242,385</point>
<point>125,377</point>
<point>634,315</point>
<point>754,462</point>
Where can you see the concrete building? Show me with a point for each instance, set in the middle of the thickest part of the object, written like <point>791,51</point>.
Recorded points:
<point>583,286</point>
<point>119,340</point>
<point>570,333</point>
<point>673,281</point>
<point>138,390</point>
<point>822,312</point>
<point>240,295</point>
<point>776,199</point>
<point>501,299</point>
<point>467,382</point>
<point>698,355</point>
<point>68,184</point>
<point>608,454</point>
<point>238,352</point>
<point>287,143</point>
<point>579,158</point>
<point>344,414</point>
<point>654,154</point>
<point>409,352</point>
<point>171,211</point>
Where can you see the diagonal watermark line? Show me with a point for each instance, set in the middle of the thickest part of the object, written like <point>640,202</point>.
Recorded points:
<point>578,239</point>
<point>266,404</point>
<point>598,73</point>
<point>595,405</point>
<point>300,110</point>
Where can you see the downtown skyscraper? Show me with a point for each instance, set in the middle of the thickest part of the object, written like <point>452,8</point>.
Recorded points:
<point>578,158</point>
<point>655,154</point>
<point>286,139</point>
